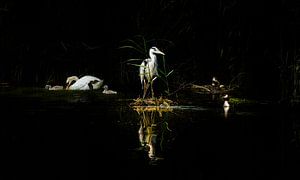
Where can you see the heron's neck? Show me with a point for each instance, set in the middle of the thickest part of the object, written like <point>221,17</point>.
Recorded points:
<point>153,57</point>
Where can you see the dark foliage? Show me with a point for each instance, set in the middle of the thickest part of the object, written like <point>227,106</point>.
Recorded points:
<point>254,43</point>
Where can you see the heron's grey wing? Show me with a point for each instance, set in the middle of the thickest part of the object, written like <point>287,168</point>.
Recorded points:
<point>142,72</point>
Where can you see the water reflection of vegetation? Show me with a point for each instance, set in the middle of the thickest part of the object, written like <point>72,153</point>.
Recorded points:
<point>154,132</point>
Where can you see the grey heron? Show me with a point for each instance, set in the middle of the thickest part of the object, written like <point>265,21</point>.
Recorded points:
<point>84,83</point>
<point>148,68</point>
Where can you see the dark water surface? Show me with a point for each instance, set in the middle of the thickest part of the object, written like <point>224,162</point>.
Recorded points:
<point>87,135</point>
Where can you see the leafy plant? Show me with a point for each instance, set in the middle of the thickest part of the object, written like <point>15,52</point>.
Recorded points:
<point>164,74</point>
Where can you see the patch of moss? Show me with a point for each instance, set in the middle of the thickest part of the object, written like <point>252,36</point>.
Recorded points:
<point>241,101</point>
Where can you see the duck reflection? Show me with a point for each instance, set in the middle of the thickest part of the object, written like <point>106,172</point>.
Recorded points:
<point>226,109</point>
<point>153,132</point>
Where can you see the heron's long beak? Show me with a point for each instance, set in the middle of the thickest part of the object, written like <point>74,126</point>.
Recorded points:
<point>159,52</point>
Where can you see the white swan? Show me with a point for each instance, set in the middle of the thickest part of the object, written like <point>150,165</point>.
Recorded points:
<point>84,83</point>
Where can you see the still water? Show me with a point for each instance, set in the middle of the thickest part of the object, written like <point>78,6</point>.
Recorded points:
<point>87,135</point>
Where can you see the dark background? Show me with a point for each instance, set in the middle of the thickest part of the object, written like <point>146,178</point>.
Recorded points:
<point>251,43</point>
<point>254,42</point>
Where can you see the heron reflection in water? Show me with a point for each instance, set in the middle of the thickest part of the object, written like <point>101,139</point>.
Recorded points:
<point>153,132</point>
<point>148,139</point>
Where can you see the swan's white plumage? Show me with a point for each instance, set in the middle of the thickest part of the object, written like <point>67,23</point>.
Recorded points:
<point>84,83</point>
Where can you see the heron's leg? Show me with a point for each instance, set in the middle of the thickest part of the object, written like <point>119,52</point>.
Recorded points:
<point>152,91</point>
<point>146,87</point>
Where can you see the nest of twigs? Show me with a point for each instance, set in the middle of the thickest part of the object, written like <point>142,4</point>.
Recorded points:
<point>159,109</point>
<point>209,89</point>
<point>152,102</point>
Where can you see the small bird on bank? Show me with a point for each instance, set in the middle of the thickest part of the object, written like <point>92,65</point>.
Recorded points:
<point>215,82</point>
<point>226,99</point>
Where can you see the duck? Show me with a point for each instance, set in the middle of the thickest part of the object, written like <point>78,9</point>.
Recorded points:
<point>215,82</point>
<point>226,99</point>
<point>226,105</point>
<point>86,82</point>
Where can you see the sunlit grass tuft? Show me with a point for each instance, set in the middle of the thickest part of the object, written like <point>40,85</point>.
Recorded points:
<point>152,102</point>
